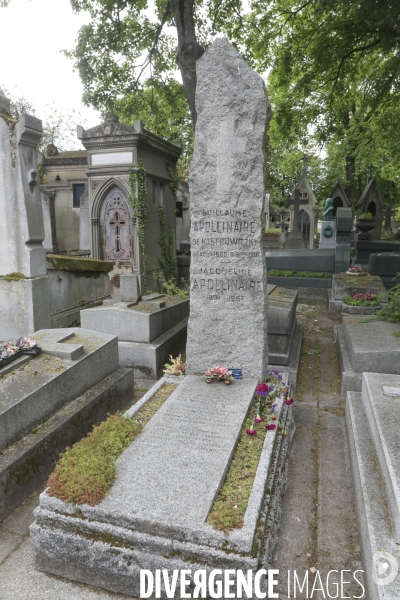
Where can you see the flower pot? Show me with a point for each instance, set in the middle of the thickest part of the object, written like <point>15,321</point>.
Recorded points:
<point>365,225</point>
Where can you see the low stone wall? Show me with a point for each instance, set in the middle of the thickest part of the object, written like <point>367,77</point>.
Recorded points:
<point>300,282</point>
<point>75,284</point>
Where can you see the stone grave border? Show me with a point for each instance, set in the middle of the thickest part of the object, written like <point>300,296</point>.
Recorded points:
<point>58,523</point>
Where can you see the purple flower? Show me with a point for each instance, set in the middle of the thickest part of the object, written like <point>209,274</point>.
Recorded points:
<point>272,409</point>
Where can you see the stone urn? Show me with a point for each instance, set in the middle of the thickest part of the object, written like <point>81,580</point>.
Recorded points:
<point>365,225</point>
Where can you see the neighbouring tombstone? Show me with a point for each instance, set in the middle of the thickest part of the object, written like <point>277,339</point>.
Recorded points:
<point>344,225</point>
<point>339,197</point>
<point>307,211</point>
<point>130,288</point>
<point>295,238</point>
<point>371,202</point>
<point>228,277</point>
<point>24,302</point>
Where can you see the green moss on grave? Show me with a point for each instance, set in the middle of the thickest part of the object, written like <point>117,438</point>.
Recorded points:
<point>231,503</point>
<point>69,263</point>
<point>307,274</point>
<point>86,471</point>
<point>15,276</point>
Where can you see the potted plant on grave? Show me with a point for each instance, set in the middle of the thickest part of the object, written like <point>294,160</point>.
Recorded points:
<point>365,222</point>
<point>175,369</point>
<point>366,299</point>
<point>218,373</point>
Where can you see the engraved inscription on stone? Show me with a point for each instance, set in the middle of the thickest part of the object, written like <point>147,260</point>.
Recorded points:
<point>393,392</point>
<point>228,320</point>
<point>112,158</point>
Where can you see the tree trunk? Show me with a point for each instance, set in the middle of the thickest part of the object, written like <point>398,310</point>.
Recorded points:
<point>189,50</point>
<point>350,164</point>
<point>350,179</point>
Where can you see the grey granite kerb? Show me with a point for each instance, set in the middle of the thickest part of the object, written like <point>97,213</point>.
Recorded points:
<point>228,305</point>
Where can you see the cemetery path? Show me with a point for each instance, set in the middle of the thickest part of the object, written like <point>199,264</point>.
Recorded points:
<point>318,528</point>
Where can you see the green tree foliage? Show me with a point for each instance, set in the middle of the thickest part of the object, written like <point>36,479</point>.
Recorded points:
<point>127,42</point>
<point>164,111</point>
<point>334,78</point>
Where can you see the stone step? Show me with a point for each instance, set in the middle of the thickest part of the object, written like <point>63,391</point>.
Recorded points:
<point>375,534</point>
<point>136,324</point>
<point>382,410</point>
<point>72,361</point>
<point>27,463</point>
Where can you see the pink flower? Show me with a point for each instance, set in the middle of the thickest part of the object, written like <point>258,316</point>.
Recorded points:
<point>259,419</point>
<point>270,426</point>
<point>251,431</point>
<point>289,401</point>
<point>220,371</point>
<point>208,373</point>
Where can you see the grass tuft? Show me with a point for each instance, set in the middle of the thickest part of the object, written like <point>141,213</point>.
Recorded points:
<point>86,472</point>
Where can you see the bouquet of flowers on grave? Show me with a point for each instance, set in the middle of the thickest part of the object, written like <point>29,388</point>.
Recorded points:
<point>355,271</point>
<point>13,348</point>
<point>271,388</point>
<point>219,373</point>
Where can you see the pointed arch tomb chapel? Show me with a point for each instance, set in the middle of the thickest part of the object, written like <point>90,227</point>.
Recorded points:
<point>92,191</point>
<point>307,210</point>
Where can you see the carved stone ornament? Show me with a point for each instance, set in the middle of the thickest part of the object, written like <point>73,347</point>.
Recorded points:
<point>95,184</point>
<point>110,127</point>
<point>51,150</point>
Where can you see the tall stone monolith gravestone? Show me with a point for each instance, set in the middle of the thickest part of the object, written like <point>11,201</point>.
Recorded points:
<point>24,301</point>
<point>228,304</point>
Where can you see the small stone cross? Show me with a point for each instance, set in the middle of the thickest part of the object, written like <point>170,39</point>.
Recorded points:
<point>118,222</point>
<point>304,160</point>
<point>296,207</point>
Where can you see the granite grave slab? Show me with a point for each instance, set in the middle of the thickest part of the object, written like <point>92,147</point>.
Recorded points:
<point>228,275</point>
<point>372,347</point>
<point>383,415</point>
<point>51,400</point>
<point>147,332</point>
<point>376,541</point>
<point>187,457</point>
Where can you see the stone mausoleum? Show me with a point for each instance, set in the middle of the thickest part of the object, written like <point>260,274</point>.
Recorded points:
<point>86,197</point>
<point>308,213</point>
